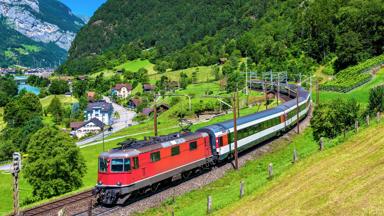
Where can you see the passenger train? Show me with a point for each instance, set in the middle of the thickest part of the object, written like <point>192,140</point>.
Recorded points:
<point>141,166</point>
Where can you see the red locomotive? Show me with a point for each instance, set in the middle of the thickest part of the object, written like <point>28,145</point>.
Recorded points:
<point>140,166</point>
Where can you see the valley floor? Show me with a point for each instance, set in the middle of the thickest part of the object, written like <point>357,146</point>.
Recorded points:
<point>345,180</point>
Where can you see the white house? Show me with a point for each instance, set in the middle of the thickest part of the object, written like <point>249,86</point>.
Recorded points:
<point>122,90</point>
<point>81,129</point>
<point>101,110</point>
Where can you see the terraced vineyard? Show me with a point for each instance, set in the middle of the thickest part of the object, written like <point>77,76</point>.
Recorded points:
<point>352,77</point>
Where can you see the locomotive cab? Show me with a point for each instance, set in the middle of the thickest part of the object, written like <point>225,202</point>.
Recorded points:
<point>115,171</point>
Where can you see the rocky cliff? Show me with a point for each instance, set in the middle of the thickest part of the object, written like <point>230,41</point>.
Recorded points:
<point>42,21</point>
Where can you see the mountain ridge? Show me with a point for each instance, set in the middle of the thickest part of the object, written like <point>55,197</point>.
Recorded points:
<point>47,25</point>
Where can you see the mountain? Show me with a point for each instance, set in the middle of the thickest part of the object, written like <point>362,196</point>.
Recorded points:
<point>291,35</point>
<point>36,32</point>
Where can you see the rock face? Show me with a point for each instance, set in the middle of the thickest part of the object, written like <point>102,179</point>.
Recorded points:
<point>27,17</point>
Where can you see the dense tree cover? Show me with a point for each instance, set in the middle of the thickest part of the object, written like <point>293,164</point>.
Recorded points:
<point>56,110</point>
<point>332,118</point>
<point>55,165</point>
<point>8,89</point>
<point>376,100</point>
<point>38,81</point>
<point>59,87</point>
<point>23,116</point>
<point>277,35</point>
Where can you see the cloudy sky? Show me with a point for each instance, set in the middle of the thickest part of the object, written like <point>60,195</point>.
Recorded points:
<point>83,7</point>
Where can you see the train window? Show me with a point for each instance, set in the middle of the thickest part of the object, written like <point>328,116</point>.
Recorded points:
<point>175,150</point>
<point>127,164</point>
<point>135,162</point>
<point>192,146</point>
<point>221,143</point>
<point>102,165</point>
<point>117,165</point>
<point>155,156</point>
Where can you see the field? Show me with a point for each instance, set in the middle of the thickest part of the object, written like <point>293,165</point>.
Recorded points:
<point>346,180</point>
<point>204,74</point>
<point>361,94</point>
<point>133,66</point>
<point>65,100</point>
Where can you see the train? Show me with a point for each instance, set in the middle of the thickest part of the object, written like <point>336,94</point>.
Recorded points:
<point>137,167</point>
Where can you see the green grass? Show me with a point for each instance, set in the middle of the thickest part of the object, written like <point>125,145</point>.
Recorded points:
<point>225,191</point>
<point>361,94</point>
<point>134,66</point>
<point>65,100</point>
<point>345,180</point>
<point>204,74</point>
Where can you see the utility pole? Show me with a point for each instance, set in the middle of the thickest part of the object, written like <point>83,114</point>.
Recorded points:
<point>266,96</point>
<point>238,102</point>
<point>297,108</point>
<point>16,169</point>
<point>278,88</point>
<point>103,138</point>
<point>155,117</point>
<point>235,130</point>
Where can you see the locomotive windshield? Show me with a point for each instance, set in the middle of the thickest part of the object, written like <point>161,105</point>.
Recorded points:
<point>102,165</point>
<point>121,165</point>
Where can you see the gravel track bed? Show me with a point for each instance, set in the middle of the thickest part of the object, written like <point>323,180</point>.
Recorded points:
<point>208,177</point>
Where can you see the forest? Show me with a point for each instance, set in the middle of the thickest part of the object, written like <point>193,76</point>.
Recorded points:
<point>277,35</point>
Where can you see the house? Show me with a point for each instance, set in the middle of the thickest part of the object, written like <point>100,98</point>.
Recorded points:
<point>81,129</point>
<point>148,87</point>
<point>91,96</point>
<point>100,110</point>
<point>161,108</point>
<point>122,90</point>
<point>134,103</point>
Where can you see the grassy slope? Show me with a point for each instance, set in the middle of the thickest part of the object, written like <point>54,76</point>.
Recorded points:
<point>346,180</point>
<point>134,65</point>
<point>361,94</point>
<point>65,100</point>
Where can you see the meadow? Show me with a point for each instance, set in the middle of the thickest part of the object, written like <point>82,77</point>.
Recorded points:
<point>345,180</point>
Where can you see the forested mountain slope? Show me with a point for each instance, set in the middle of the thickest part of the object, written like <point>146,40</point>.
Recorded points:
<point>280,35</point>
<point>36,32</point>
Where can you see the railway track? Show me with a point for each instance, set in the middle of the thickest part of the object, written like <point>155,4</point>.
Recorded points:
<point>57,204</point>
<point>137,204</point>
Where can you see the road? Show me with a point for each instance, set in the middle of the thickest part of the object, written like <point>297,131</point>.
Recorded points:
<point>125,120</point>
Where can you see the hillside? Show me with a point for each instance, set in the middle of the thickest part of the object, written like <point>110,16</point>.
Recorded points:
<point>288,35</point>
<point>346,180</point>
<point>36,32</point>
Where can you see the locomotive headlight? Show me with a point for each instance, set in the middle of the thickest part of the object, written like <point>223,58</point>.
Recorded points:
<point>118,183</point>
<point>99,182</point>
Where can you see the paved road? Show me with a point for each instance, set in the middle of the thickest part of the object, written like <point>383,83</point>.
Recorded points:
<point>5,167</point>
<point>125,120</point>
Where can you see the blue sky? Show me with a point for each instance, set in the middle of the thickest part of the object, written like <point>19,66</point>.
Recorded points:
<point>83,7</point>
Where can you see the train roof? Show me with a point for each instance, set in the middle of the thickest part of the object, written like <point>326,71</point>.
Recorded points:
<point>132,148</point>
<point>303,95</point>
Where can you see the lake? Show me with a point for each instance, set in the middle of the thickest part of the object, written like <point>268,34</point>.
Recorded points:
<point>29,88</point>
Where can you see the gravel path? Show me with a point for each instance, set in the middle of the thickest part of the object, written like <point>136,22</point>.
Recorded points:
<point>208,177</point>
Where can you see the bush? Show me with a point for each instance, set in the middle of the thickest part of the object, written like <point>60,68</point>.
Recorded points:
<point>55,165</point>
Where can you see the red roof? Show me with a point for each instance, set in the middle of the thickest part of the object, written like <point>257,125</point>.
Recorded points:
<point>118,87</point>
<point>76,125</point>
<point>91,94</point>
<point>148,87</point>
<point>136,101</point>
